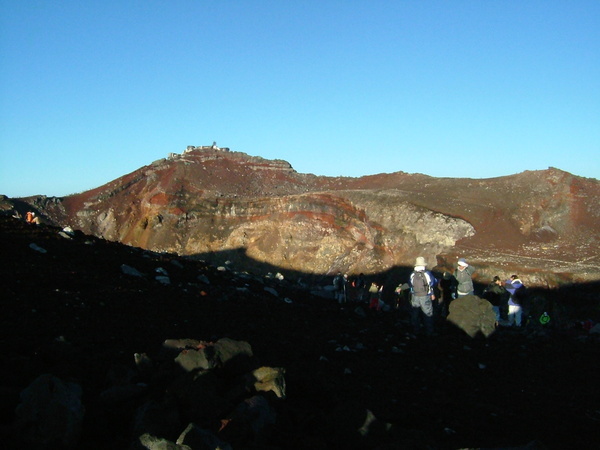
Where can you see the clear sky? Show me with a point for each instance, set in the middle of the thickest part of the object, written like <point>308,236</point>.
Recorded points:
<point>92,90</point>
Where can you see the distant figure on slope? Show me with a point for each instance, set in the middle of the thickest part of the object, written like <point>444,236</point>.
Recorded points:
<point>422,282</point>
<point>463,275</point>
<point>375,296</point>
<point>340,283</point>
<point>361,287</point>
<point>30,217</point>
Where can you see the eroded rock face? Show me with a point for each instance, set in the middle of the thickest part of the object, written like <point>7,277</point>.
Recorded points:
<point>210,203</point>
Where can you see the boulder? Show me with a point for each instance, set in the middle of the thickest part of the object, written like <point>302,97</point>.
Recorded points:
<point>195,359</point>
<point>50,412</point>
<point>195,437</point>
<point>473,315</point>
<point>235,357</point>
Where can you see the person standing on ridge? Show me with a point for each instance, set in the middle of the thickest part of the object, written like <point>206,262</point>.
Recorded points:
<point>463,275</point>
<point>421,286</point>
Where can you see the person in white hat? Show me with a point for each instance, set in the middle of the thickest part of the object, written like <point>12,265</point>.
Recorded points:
<point>463,274</point>
<point>421,287</point>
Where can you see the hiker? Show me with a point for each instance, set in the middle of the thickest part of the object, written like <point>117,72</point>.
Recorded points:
<point>30,217</point>
<point>497,295</point>
<point>516,289</point>
<point>422,282</point>
<point>340,283</point>
<point>375,296</point>
<point>361,287</point>
<point>463,275</point>
<point>402,296</point>
<point>447,288</point>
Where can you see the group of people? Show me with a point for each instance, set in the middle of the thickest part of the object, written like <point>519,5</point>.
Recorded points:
<point>506,297</point>
<point>429,297</point>
<point>356,290</point>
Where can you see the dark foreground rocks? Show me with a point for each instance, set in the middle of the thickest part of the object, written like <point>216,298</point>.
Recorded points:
<point>96,357</point>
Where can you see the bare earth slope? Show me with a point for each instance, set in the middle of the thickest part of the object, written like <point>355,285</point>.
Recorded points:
<point>544,224</point>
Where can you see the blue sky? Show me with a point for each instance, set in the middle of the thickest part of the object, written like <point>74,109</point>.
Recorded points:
<point>92,90</point>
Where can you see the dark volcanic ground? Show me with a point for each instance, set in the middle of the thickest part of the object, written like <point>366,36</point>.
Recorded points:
<point>73,313</point>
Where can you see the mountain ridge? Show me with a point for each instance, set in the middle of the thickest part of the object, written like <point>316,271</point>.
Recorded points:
<point>205,200</point>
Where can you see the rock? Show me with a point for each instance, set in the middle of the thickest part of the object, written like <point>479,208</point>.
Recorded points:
<point>271,291</point>
<point>37,248</point>
<point>270,379</point>
<point>195,359</point>
<point>180,344</point>
<point>235,356</point>
<point>473,315</point>
<point>203,279</point>
<point>194,437</point>
<point>151,442</point>
<point>128,270</point>
<point>163,280</point>
<point>50,412</point>
<point>161,271</point>
<point>369,419</point>
<point>176,263</point>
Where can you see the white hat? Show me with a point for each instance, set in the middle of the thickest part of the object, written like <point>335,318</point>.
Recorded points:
<point>420,261</point>
<point>462,262</point>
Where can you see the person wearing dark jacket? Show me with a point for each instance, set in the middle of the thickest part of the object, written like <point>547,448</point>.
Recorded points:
<point>447,287</point>
<point>497,295</point>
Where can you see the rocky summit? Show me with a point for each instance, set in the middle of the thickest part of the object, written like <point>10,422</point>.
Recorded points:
<point>219,205</point>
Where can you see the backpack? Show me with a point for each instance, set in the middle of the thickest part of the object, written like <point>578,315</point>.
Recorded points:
<point>420,284</point>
